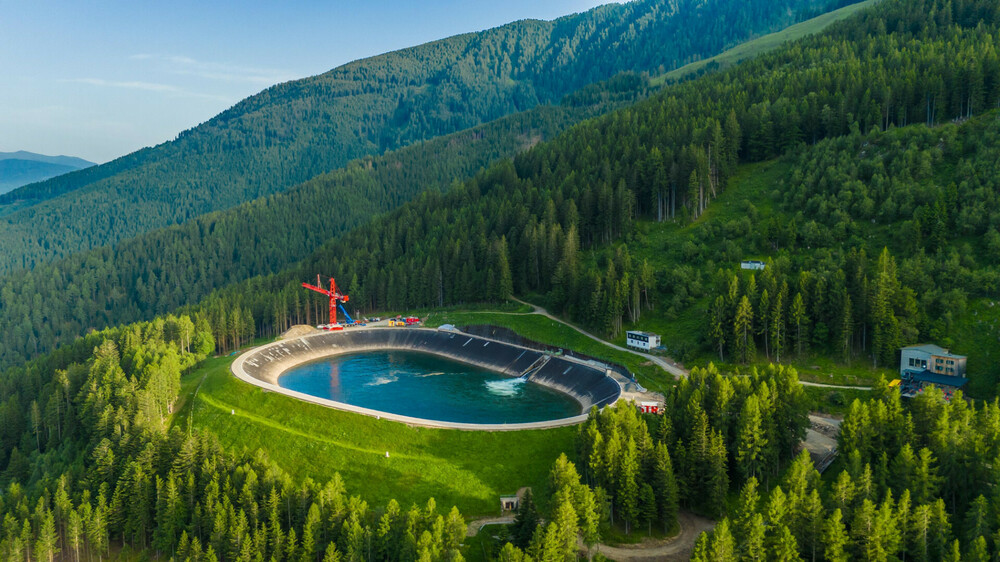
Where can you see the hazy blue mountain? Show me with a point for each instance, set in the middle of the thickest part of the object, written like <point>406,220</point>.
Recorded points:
<point>22,168</point>
<point>70,161</point>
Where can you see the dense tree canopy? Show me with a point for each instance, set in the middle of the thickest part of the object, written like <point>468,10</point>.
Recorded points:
<point>549,216</point>
<point>89,460</point>
<point>164,269</point>
<point>293,131</point>
<point>919,483</point>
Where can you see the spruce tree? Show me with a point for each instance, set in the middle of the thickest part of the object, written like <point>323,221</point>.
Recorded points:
<point>647,506</point>
<point>628,487</point>
<point>525,521</point>
<point>717,329</point>
<point>744,346</point>
<point>718,477</point>
<point>800,320</point>
<point>722,546</point>
<point>835,539</point>
<point>785,547</point>
<point>750,441</point>
<point>665,486</point>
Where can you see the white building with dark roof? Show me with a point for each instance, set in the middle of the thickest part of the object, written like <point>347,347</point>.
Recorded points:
<point>645,341</point>
<point>933,358</point>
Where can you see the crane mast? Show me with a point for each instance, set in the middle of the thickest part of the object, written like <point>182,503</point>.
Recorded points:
<point>337,299</point>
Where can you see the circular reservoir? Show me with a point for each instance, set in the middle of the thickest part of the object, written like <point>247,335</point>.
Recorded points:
<point>428,386</point>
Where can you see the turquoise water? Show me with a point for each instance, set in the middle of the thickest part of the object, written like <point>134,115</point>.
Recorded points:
<point>427,386</point>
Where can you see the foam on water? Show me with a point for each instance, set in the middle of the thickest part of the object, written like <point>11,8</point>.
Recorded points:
<point>505,387</point>
<point>383,379</point>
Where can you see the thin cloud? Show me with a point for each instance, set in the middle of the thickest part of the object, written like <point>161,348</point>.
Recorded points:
<point>146,86</point>
<point>177,64</point>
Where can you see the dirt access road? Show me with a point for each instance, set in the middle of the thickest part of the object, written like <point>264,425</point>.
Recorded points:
<point>678,547</point>
<point>669,366</point>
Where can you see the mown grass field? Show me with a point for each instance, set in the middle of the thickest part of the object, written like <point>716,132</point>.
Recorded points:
<point>467,469</point>
<point>762,44</point>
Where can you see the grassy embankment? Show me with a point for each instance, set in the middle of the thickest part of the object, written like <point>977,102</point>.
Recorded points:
<point>467,469</point>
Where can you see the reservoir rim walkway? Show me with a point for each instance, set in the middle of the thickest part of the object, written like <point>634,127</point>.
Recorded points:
<point>239,371</point>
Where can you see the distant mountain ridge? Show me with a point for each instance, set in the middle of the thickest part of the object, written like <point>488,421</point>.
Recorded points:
<point>293,131</point>
<point>22,168</point>
<point>69,161</point>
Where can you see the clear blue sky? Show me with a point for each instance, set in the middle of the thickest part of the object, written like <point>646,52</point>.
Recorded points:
<point>102,78</point>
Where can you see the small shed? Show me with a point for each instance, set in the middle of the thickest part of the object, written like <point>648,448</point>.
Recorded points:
<point>509,503</point>
<point>512,502</point>
<point>755,265</point>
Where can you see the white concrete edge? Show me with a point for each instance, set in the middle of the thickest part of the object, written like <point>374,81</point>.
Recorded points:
<point>237,370</point>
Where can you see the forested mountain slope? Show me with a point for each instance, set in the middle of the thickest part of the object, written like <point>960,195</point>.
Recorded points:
<point>91,459</point>
<point>553,220</point>
<point>294,131</point>
<point>161,270</point>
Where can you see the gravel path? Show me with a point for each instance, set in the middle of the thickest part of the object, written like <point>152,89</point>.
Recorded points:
<point>678,547</point>
<point>668,366</point>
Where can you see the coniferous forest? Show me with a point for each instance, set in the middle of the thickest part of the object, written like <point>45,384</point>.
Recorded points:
<point>557,219</point>
<point>294,131</point>
<point>540,160</point>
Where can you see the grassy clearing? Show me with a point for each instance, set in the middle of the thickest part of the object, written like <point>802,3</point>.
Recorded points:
<point>664,245</point>
<point>763,44</point>
<point>834,402</point>
<point>814,368</point>
<point>978,336</point>
<point>486,544</point>
<point>752,193</point>
<point>467,469</point>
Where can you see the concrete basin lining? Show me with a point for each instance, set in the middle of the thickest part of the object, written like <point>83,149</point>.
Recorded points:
<point>588,383</point>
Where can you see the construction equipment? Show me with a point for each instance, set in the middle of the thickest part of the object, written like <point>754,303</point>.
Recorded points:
<point>337,300</point>
<point>400,322</point>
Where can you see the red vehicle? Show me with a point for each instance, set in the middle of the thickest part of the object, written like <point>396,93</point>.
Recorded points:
<point>410,320</point>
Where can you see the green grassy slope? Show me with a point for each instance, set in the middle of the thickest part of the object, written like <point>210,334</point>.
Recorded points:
<point>463,468</point>
<point>769,42</point>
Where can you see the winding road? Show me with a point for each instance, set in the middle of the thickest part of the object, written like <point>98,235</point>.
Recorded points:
<point>668,366</point>
<point>677,547</point>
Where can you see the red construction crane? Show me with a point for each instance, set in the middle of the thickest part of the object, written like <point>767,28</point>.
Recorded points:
<point>336,299</point>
